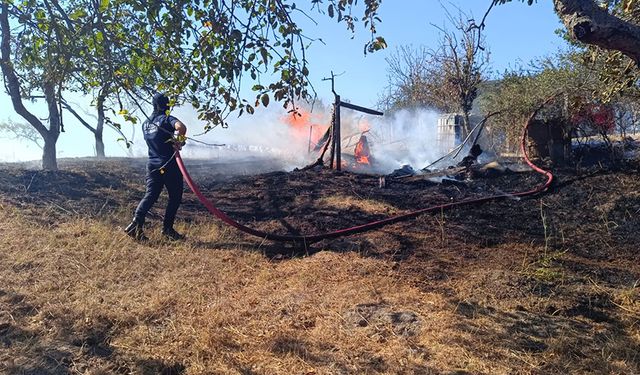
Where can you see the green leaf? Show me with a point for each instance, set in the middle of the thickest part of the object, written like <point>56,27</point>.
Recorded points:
<point>236,34</point>
<point>265,100</point>
<point>265,55</point>
<point>78,13</point>
<point>104,5</point>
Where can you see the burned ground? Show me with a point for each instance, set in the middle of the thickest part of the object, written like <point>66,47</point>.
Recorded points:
<point>548,284</point>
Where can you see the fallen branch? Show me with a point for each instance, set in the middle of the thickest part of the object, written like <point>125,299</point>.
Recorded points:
<point>426,176</point>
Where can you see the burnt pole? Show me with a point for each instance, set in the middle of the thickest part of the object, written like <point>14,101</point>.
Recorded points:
<point>337,135</point>
<point>332,154</point>
<point>335,126</point>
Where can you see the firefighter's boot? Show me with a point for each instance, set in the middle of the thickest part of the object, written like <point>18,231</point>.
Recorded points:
<point>134,230</point>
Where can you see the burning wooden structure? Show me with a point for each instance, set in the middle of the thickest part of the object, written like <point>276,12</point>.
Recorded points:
<point>362,152</point>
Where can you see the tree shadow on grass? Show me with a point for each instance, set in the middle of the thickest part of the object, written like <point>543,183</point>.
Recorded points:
<point>271,250</point>
<point>582,338</point>
<point>156,367</point>
<point>384,243</point>
<point>25,351</point>
<point>363,362</point>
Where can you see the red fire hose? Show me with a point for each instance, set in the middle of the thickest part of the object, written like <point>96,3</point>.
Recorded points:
<point>372,225</point>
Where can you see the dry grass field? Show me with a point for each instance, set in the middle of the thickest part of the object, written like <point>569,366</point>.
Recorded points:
<point>544,285</point>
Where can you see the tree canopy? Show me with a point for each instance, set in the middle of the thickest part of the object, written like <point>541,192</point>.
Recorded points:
<point>201,52</point>
<point>519,92</point>
<point>609,24</point>
<point>446,77</point>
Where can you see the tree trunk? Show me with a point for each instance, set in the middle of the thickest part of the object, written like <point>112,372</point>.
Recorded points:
<point>99,145</point>
<point>49,160</point>
<point>99,128</point>
<point>589,23</point>
<point>49,152</point>
<point>466,126</point>
<point>97,131</point>
<point>12,85</point>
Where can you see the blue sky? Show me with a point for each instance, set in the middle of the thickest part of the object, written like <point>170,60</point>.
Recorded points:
<point>515,34</point>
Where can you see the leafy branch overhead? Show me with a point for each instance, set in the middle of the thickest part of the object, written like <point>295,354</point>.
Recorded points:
<point>204,51</point>
<point>608,24</point>
<point>198,51</point>
<point>261,41</point>
<point>610,29</point>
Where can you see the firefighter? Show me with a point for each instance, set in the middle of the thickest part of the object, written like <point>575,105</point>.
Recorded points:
<point>160,131</point>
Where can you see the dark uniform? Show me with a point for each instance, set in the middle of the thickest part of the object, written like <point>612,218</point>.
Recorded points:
<point>162,171</point>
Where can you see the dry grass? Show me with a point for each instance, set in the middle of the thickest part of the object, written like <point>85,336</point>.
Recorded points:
<point>78,296</point>
<point>204,310</point>
<point>371,206</point>
<point>104,304</point>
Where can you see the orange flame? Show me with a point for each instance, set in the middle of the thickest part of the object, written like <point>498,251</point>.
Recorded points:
<point>362,152</point>
<point>303,122</point>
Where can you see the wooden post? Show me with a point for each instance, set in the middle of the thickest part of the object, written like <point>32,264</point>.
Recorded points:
<point>337,135</point>
<point>333,137</point>
<point>336,147</point>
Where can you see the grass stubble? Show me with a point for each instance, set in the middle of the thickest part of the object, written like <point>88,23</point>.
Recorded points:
<point>78,296</point>
<point>118,306</point>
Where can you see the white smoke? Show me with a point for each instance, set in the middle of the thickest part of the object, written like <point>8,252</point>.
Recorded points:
<point>404,137</point>
<point>265,135</point>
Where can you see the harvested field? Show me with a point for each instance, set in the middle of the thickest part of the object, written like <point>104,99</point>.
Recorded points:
<point>543,285</point>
